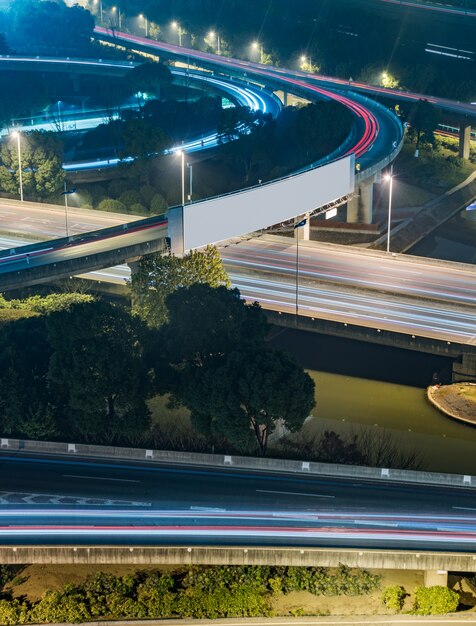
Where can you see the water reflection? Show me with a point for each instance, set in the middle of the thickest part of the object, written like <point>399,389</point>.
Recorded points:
<point>361,385</point>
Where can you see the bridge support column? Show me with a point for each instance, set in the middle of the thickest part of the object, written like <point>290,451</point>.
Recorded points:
<point>464,140</point>
<point>465,371</point>
<point>360,208</point>
<point>433,578</point>
<point>303,232</point>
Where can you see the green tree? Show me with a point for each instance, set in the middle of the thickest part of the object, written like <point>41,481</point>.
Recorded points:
<point>423,119</point>
<point>142,140</point>
<point>151,78</point>
<point>25,400</point>
<point>97,371</point>
<point>243,397</point>
<point>158,276</point>
<point>42,164</point>
<point>248,136</point>
<point>208,323</point>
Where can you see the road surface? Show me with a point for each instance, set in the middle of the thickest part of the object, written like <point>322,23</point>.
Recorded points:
<point>78,501</point>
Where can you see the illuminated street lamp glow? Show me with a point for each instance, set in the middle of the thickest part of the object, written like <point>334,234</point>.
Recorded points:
<point>16,135</point>
<point>258,47</point>
<point>119,17</point>
<point>146,23</point>
<point>211,36</point>
<point>99,2</point>
<point>176,26</point>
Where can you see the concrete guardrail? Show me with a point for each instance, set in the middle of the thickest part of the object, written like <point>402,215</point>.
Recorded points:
<point>237,462</point>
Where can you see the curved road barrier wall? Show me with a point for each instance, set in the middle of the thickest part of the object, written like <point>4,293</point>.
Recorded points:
<point>236,462</point>
<point>235,214</point>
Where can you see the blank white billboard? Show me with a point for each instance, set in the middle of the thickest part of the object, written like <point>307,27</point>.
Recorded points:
<point>218,219</point>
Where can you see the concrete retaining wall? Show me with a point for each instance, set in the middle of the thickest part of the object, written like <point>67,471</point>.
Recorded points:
<point>236,462</point>
<point>183,555</point>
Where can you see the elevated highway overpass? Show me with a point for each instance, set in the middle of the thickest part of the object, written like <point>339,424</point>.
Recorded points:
<point>93,504</point>
<point>417,304</point>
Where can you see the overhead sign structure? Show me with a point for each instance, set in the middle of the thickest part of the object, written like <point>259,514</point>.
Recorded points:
<point>212,221</point>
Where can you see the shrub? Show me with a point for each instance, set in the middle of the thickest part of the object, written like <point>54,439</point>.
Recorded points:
<point>13,612</point>
<point>138,209</point>
<point>113,206</point>
<point>117,186</point>
<point>158,204</point>
<point>435,601</point>
<point>130,197</point>
<point>147,192</point>
<point>394,597</point>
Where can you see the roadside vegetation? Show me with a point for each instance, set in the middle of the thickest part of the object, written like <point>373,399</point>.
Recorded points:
<point>212,592</point>
<point>199,592</point>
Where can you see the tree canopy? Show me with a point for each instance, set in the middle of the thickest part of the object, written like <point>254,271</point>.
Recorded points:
<point>97,371</point>
<point>41,163</point>
<point>216,363</point>
<point>244,396</point>
<point>158,275</point>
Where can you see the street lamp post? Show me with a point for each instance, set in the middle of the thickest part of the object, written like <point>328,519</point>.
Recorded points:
<point>176,26</point>
<point>212,35</point>
<point>190,183</point>
<point>181,153</point>
<point>99,2</point>
<point>297,227</point>
<point>146,24</point>
<point>389,178</point>
<point>67,192</point>
<point>16,134</point>
<point>306,61</point>
<point>119,17</point>
<point>257,46</point>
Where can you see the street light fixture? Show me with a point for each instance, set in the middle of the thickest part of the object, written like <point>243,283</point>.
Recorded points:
<point>146,24</point>
<point>389,177</point>
<point>119,17</point>
<point>16,135</point>
<point>297,227</point>
<point>306,62</point>
<point>258,47</point>
<point>67,192</point>
<point>176,26</point>
<point>99,2</point>
<point>211,35</point>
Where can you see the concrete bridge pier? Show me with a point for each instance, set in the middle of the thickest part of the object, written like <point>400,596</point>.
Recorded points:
<point>464,140</point>
<point>464,370</point>
<point>438,577</point>
<point>360,207</point>
<point>303,232</point>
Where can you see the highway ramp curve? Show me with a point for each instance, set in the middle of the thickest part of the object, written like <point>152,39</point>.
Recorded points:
<point>377,136</point>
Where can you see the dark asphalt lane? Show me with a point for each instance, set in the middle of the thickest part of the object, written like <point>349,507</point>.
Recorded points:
<point>182,487</point>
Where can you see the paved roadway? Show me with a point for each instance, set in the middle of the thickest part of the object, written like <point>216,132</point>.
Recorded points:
<point>377,131</point>
<point>264,270</point>
<point>47,221</point>
<point>78,501</point>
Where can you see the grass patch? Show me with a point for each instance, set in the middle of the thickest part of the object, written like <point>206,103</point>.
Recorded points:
<point>436,169</point>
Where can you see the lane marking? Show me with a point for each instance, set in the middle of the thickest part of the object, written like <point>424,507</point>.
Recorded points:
<point>294,493</point>
<point>121,480</point>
